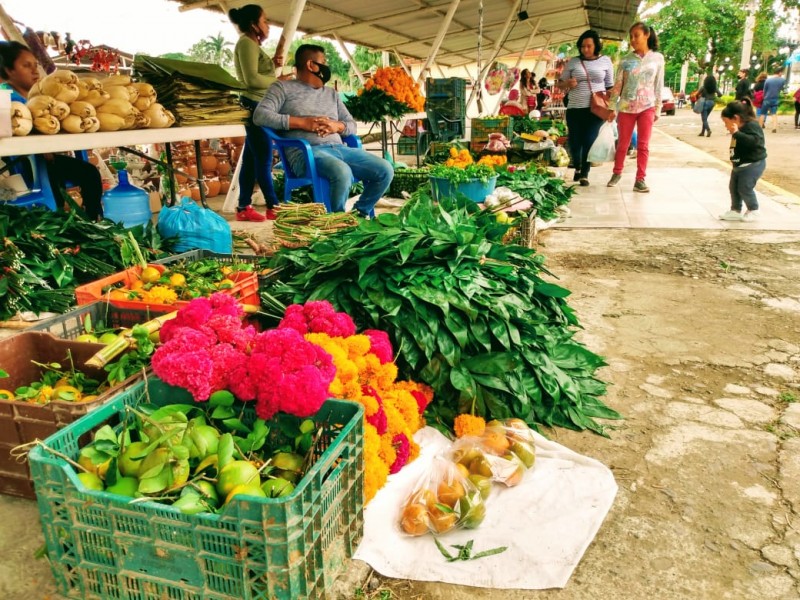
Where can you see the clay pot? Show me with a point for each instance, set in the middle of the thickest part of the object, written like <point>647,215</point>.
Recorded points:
<point>224,185</point>
<point>191,170</point>
<point>213,187</point>
<point>236,153</point>
<point>223,166</point>
<point>208,160</point>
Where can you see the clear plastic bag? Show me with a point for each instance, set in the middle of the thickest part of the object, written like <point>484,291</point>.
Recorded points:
<point>503,453</point>
<point>443,499</point>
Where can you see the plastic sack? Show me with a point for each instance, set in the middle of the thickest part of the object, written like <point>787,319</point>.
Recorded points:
<point>196,228</point>
<point>604,148</point>
<point>443,499</point>
<point>503,452</point>
<point>698,106</point>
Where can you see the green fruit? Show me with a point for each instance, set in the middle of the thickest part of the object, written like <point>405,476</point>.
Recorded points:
<point>154,463</point>
<point>525,452</point>
<point>107,338</point>
<point>208,492</point>
<point>473,511</point>
<point>126,463</point>
<point>124,486</point>
<point>480,466</point>
<point>245,490</point>
<point>190,504</point>
<point>236,473</point>
<point>484,484</point>
<point>277,488</point>
<point>205,440</point>
<point>91,481</point>
<point>288,466</point>
<point>87,337</point>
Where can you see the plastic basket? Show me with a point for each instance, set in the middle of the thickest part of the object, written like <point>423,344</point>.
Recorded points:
<point>102,546</point>
<point>100,314</point>
<point>407,146</point>
<point>452,107</point>
<point>245,289</point>
<point>451,87</point>
<point>476,190</point>
<point>24,422</point>
<point>407,180</point>
<point>481,128</point>
<point>225,259</point>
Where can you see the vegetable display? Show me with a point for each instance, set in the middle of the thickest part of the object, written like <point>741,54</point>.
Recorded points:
<point>469,316</point>
<point>545,191</point>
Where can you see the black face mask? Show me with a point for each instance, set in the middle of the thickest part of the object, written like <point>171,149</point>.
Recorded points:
<point>324,72</point>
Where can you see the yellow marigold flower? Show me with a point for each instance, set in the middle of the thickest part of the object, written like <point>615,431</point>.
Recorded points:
<point>468,425</point>
<point>407,406</point>
<point>387,453</point>
<point>375,470</point>
<point>160,294</point>
<point>357,345</point>
<point>370,404</point>
<point>413,450</point>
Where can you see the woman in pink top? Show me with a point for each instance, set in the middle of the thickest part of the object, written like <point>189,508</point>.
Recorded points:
<point>637,94</point>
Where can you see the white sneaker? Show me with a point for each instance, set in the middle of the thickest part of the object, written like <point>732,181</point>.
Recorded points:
<point>751,215</point>
<point>731,215</point>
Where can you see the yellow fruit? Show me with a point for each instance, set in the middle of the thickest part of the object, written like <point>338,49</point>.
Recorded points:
<point>462,469</point>
<point>89,398</point>
<point>87,337</point>
<point>6,395</point>
<point>127,466</point>
<point>245,490</point>
<point>137,285</point>
<point>414,520</point>
<point>66,392</point>
<point>495,441</point>
<point>450,492</point>
<point>150,275</point>
<point>177,280</point>
<point>226,284</point>
<point>91,481</point>
<point>236,473</point>
<point>108,337</point>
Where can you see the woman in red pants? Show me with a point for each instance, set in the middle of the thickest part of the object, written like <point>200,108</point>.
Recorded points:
<point>637,95</point>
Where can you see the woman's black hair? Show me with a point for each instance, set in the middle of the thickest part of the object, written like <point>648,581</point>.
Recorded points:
<point>543,82</point>
<point>9,53</point>
<point>590,33</point>
<point>526,77</point>
<point>245,16</point>
<point>652,38</point>
<point>743,110</point>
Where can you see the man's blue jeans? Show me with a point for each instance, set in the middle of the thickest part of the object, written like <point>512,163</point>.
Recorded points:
<point>339,164</point>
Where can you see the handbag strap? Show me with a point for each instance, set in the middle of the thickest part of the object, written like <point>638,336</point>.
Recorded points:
<point>588,81</point>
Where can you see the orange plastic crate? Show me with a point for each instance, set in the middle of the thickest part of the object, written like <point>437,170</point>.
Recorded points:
<point>245,289</point>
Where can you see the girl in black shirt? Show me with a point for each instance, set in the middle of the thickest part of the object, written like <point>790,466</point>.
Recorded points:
<point>749,158</point>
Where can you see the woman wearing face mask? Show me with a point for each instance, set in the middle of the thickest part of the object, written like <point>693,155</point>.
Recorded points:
<point>256,71</point>
<point>637,94</point>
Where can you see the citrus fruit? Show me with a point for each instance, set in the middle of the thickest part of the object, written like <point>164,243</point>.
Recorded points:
<point>236,473</point>
<point>450,492</point>
<point>6,395</point>
<point>108,337</point>
<point>124,486</point>
<point>177,280</point>
<point>440,520</point>
<point>525,452</point>
<point>226,270</point>
<point>87,337</point>
<point>68,393</point>
<point>89,398</point>
<point>226,284</point>
<point>91,481</point>
<point>190,504</point>
<point>245,490</point>
<point>150,275</point>
<point>127,466</point>
<point>414,520</point>
<point>137,285</point>
<point>473,511</point>
<point>484,484</point>
<point>208,492</point>
<point>277,488</point>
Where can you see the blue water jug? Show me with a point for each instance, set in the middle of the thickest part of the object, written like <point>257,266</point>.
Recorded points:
<point>126,203</point>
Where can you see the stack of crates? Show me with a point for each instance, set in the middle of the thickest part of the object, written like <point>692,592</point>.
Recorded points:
<point>446,103</point>
<point>481,128</point>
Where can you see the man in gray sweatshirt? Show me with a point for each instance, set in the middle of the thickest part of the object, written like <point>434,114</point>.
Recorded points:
<point>304,108</point>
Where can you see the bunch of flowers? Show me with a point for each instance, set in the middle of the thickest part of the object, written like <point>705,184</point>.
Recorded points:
<point>390,92</point>
<point>207,348</point>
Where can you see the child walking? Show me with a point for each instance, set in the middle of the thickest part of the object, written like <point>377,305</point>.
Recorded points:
<point>749,158</point>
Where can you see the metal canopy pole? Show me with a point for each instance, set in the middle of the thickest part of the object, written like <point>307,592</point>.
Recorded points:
<point>401,61</point>
<point>544,49</point>
<point>496,51</point>
<point>528,42</point>
<point>448,18</point>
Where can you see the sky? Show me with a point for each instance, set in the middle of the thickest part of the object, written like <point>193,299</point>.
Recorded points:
<point>151,27</point>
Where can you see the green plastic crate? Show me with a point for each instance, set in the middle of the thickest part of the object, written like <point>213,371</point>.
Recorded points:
<point>101,314</point>
<point>451,87</point>
<point>481,128</point>
<point>102,546</point>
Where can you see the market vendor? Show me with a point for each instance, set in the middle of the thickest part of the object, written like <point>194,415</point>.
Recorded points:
<point>305,109</point>
<point>19,71</point>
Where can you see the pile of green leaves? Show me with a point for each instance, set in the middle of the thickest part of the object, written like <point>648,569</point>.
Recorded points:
<point>528,125</point>
<point>468,315</point>
<point>375,104</point>
<point>458,174</point>
<point>46,254</point>
<point>543,189</point>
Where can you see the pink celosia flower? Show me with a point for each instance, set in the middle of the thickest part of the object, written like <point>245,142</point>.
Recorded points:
<point>380,345</point>
<point>403,449</point>
<point>318,316</point>
<point>378,418</point>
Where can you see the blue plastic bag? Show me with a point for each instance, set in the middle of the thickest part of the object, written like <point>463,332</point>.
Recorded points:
<point>195,227</point>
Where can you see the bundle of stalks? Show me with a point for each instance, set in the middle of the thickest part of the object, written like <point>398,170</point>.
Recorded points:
<point>298,225</point>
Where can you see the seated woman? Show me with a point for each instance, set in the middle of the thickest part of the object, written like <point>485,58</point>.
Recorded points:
<point>19,71</point>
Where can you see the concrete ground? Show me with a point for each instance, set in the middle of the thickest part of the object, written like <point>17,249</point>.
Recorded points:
<point>698,319</point>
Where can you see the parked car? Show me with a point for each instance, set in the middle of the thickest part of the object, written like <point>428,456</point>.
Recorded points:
<point>667,101</point>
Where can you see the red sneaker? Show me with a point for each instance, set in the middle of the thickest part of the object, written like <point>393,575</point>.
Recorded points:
<point>250,214</point>
<point>271,216</point>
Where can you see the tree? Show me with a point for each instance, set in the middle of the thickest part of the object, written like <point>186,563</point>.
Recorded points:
<point>367,59</point>
<point>213,49</point>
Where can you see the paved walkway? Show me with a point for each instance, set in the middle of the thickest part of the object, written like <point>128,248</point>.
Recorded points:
<point>688,190</point>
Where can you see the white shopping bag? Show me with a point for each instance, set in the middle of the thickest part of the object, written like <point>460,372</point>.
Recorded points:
<point>604,148</point>
<point>5,114</point>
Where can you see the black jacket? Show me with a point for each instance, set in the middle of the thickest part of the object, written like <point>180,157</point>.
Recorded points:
<point>747,144</point>
<point>743,89</point>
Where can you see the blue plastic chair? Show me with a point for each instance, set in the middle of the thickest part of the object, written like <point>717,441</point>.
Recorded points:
<point>42,193</point>
<point>291,180</point>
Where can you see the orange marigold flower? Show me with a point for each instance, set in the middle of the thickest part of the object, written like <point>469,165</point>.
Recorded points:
<point>375,470</point>
<point>468,425</point>
<point>387,453</point>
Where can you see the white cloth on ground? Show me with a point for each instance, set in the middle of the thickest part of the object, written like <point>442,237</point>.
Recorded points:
<point>547,522</point>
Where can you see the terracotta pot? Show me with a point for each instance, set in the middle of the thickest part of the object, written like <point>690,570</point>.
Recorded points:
<point>194,192</point>
<point>223,166</point>
<point>235,154</point>
<point>224,185</point>
<point>191,170</point>
<point>208,160</point>
<point>204,143</point>
<point>213,187</point>
<point>178,177</point>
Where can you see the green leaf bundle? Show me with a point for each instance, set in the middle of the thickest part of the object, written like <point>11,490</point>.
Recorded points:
<point>467,315</point>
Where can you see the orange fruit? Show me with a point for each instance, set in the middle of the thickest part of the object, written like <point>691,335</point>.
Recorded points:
<point>150,275</point>
<point>462,469</point>
<point>414,520</point>
<point>137,285</point>
<point>495,441</point>
<point>440,520</point>
<point>450,492</point>
<point>177,280</point>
